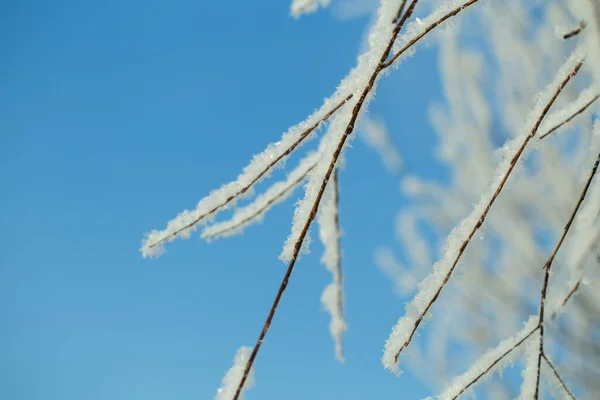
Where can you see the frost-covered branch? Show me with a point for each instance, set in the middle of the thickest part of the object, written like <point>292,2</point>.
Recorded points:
<point>259,167</point>
<point>489,362</point>
<point>558,377</point>
<point>562,117</point>
<point>461,236</point>
<point>262,163</point>
<point>329,232</point>
<point>417,29</point>
<point>548,267</point>
<point>307,208</point>
<point>233,376</point>
<point>277,193</point>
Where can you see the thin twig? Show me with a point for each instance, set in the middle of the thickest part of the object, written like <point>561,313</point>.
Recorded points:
<point>573,290</point>
<point>427,30</point>
<point>313,212</point>
<point>575,31</point>
<point>576,113</point>
<point>548,266</point>
<point>399,13</point>
<point>466,242</point>
<point>266,206</point>
<point>563,384</point>
<point>244,189</point>
<point>495,362</point>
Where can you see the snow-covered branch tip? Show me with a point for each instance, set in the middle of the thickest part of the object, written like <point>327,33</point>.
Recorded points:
<point>461,236</point>
<point>259,167</point>
<point>233,376</point>
<point>299,7</point>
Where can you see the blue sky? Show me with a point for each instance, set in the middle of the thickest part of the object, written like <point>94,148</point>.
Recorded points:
<point>117,115</point>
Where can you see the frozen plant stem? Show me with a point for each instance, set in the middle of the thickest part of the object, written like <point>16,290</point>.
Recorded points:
<point>487,208</point>
<point>548,266</point>
<point>496,361</point>
<point>560,380</point>
<point>567,120</point>
<point>313,212</point>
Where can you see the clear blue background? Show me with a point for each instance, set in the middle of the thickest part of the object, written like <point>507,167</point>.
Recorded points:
<point>114,116</point>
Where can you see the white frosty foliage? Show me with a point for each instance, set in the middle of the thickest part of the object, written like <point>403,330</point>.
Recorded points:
<point>375,133</point>
<point>488,363</point>
<point>530,372</point>
<point>233,377</point>
<point>333,294</point>
<point>255,211</point>
<point>299,7</point>
<point>379,37</point>
<point>429,287</point>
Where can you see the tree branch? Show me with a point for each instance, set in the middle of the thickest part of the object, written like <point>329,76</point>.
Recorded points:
<point>548,266</point>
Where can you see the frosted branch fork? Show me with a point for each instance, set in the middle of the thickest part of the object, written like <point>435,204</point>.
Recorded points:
<point>571,117</point>
<point>332,164</point>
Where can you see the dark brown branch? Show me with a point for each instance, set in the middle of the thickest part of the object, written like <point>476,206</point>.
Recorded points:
<point>563,384</point>
<point>466,242</point>
<point>315,207</point>
<point>575,31</point>
<point>573,290</point>
<point>258,212</point>
<point>576,113</point>
<point>244,189</point>
<point>427,30</point>
<point>548,266</point>
<point>507,352</point>
<point>399,13</point>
